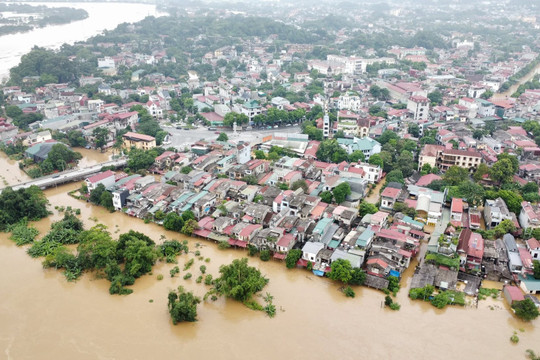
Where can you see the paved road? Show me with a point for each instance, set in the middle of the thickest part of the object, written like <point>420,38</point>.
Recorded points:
<point>181,138</point>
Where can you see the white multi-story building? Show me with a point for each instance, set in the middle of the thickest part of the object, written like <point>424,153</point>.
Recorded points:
<point>106,62</point>
<point>349,102</point>
<point>529,217</point>
<point>419,106</point>
<point>495,211</point>
<point>326,125</point>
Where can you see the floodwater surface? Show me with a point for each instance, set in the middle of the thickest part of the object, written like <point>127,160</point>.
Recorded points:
<point>42,315</point>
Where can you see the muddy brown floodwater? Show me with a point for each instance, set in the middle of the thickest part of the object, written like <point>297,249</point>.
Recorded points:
<point>44,316</point>
<point>10,174</point>
<point>513,88</point>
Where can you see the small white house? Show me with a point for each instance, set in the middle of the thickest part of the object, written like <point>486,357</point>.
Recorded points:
<point>311,250</point>
<point>106,178</point>
<point>533,246</point>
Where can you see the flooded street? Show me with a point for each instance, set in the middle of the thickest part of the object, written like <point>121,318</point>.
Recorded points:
<point>41,313</point>
<point>375,195</point>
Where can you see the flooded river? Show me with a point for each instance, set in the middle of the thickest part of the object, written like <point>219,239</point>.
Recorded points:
<point>101,16</point>
<point>514,87</point>
<point>41,313</point>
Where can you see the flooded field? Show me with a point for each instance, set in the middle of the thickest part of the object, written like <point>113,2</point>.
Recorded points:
<point>42,313</point>
<point>10,174</point>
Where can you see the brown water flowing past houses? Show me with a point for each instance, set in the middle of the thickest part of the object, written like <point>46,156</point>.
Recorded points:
<point>513,88</point>
<point>42,315</point>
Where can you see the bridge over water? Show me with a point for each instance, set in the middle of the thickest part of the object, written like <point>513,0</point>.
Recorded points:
<point>68,176</point>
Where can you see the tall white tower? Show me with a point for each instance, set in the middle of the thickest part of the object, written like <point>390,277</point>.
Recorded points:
<point>326,121</point>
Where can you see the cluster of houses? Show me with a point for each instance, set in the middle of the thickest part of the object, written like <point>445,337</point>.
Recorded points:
<point>473,258</point>
<point>449,97</point>
<point>264,215</point>
<point>267,217</point>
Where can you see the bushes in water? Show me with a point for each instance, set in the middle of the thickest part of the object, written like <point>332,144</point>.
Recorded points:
<point>188,264</point>
<point>349,292</point>
<point>388,301</point>
<point>23,234</point>
<point>175,270</point>
<point>170,249</point>
<point>443,298</point>
<point>97,251</point>
<point>265,255</point>
<point>224,245</point>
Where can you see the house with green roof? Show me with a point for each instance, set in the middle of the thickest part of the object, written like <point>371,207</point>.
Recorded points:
<point>251,109</point>
<point>366,145</point>
<point>40,152</point>
<point>365,239</point>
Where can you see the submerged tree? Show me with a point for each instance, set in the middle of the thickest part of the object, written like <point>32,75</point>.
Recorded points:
<point>183,305</point>
<point>526,309</point>
<point>292,258</point>
<point>239,281</point>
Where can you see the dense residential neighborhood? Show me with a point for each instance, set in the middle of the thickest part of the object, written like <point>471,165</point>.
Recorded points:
<point>377,155</point>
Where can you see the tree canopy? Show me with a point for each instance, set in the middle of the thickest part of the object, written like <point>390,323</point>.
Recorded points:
<point>292,258</point>
<point>455,175</point>
<point>182,305</point>
<point>29,203</point>
<point>330,151</point>
<point>341,270</point>
<point>526,309</point>
<point>341,192</point>
<point>239,281</point>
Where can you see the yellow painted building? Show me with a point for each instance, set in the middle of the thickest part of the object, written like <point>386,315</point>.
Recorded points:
<point>139,141</point>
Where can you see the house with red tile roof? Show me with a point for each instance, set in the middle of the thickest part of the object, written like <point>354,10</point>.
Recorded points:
<point>427,179</point>
<point>475,218</point>
<point>389,197</point>
<point>529,217</point>
<point>249,232</point>
<point>456,210</point>
<point>512,294</point>
<point>166,159</point>
<point>526,260</point>
<point>471,249</point>
<point>377,267</point>
<point>428,155</point>
<point>139,141</point>
<point>380,218</point>
<point>107,178</point>
<point>286,243</point>
<point>533,246</point>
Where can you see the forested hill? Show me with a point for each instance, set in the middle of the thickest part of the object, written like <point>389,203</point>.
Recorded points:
<point>178,35</point>
<point>218,31</point>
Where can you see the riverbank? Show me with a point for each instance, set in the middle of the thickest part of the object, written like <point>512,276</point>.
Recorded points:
<point>35,16</point>
<point>521,81</point>
<point>102,16</point>
<point>313,316</point>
